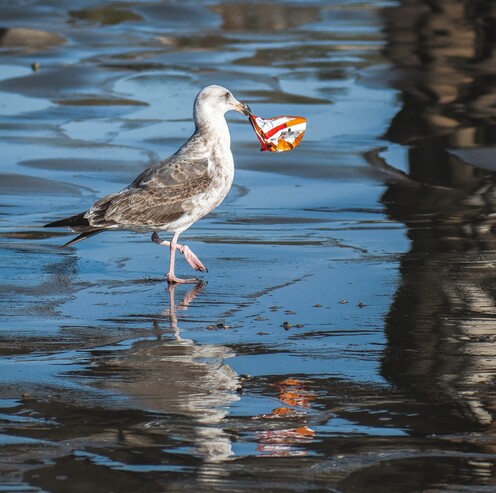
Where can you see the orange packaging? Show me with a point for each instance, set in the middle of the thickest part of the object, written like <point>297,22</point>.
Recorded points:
<point>279,134</point>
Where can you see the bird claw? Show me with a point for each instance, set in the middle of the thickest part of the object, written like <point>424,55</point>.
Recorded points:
<point>172,279</point>
<point>192,259</point>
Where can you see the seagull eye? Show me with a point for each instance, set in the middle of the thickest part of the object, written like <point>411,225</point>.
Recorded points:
<point>226,95</point>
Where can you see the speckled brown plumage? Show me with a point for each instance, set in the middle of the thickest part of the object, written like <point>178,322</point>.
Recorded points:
<point>153,206</point>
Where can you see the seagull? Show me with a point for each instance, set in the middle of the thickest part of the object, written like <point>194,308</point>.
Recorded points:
<point>174,193</point>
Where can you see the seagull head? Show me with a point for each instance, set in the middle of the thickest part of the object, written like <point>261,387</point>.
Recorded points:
<point>212,101</point>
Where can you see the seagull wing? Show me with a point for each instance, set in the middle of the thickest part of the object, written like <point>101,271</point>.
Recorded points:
<point>158,196</point>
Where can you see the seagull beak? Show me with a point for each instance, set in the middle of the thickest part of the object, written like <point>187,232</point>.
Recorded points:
<point>242,108</point>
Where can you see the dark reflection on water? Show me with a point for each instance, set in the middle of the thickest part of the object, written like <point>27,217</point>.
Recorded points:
<point>440,323</point>
<point>265,17</point>
<point>440,326</point>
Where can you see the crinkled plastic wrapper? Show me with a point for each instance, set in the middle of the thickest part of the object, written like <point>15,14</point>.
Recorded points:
<point>279,134</point>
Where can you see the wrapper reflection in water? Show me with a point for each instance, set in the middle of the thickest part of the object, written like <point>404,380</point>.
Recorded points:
<point>279,134</point>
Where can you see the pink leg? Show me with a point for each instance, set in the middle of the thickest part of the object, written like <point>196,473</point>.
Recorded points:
<point>190,257</point>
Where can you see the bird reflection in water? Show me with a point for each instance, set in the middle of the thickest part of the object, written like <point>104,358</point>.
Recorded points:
<point>177,376</point>
<point>286,441</point>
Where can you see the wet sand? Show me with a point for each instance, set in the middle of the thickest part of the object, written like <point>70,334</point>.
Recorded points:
<point>343,339</point>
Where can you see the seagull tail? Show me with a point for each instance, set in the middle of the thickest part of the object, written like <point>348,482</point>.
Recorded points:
<point>83,236</point>
<point>77,223</point>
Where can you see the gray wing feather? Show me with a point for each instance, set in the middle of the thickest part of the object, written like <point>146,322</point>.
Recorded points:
<point>157,196</point>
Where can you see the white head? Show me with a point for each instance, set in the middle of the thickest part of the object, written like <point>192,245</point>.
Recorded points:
<point>212,102</point>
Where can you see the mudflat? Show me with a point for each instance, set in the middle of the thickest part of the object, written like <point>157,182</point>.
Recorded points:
<point>343,338</point>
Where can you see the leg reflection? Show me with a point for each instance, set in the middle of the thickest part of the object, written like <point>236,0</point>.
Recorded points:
<point>183,305</point>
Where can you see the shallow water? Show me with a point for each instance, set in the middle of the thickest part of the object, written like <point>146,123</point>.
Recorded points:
<point>345,338</point>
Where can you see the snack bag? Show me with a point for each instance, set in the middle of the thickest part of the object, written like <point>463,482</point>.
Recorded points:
<point>279,134</point>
